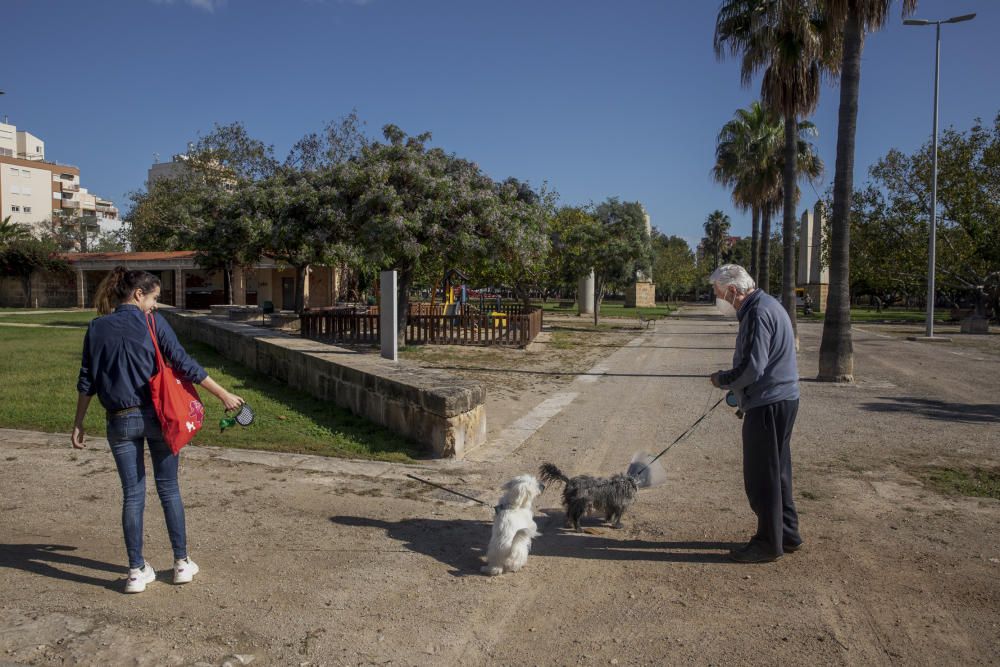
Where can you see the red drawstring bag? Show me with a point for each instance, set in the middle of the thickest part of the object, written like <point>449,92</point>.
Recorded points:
<point>177,404</point>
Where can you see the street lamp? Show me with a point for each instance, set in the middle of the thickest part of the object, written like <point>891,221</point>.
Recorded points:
<point>933,228</point>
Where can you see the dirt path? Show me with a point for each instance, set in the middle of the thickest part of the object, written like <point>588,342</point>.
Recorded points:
<point>304,564</point>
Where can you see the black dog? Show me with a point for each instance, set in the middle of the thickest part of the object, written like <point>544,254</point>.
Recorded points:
<point>611,495</point>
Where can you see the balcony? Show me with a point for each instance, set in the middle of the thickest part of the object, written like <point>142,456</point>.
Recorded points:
<point>70,187</point>
<point>70,203</point>
<point>107,208</point>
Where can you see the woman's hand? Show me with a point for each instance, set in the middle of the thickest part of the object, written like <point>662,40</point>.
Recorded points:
<point>82,403</point>
<point>77,438</point>
<point>231,401</point>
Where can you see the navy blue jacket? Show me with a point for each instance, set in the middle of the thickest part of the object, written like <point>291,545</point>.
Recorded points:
<point>764,370</point>
<point>118,358</point>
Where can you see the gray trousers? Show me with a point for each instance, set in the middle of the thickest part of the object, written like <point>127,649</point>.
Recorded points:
<point>767,474</point>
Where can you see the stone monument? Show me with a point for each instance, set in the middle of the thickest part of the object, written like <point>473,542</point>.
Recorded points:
<point>812,275</point>
<point>642,294</point>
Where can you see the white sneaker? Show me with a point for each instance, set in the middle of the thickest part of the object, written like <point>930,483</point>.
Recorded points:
<point>184,570</point>
<point>139,577</point>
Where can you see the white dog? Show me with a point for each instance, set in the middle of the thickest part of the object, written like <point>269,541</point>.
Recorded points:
<point>513,527</point>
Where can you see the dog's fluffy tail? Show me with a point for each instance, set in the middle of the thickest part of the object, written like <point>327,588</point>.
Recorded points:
<point>550,473</point>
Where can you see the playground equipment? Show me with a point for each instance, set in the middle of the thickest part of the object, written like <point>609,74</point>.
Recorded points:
<point>457,299</point>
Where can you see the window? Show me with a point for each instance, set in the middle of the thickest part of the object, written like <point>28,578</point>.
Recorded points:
<point>38,149</point>
<point>25,189</point>
<point>15,189</point>
<point>57,195</point>
<point>15,208</point>
<point>25,172</point>
<point>13,171</point>
<point>27,209</point>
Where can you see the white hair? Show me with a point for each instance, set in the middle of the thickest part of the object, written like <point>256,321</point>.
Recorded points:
<point>735,275</point>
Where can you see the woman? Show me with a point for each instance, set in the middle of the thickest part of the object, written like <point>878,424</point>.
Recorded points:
<point>118,361</point>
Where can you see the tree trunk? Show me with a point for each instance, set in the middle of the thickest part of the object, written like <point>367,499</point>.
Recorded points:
<point>765,248</point>
<point>301,276</point>
<point>836,352</point>
<point>598,288</point>
<point>788,228</point>
<point>754,242</point>
<point>405,279</point>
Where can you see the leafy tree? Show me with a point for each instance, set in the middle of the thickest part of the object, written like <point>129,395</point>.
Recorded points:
<point>616,246</point>
<point>738,253</point>
<point>568,257</point>
<point>414,206</point>
<point>674,268</point>
<point>167,215</point>
<point>516,248</point>
<point>968,257</point>
<point>340,141</point>
<point>73,232</point>
<point>22,257</point>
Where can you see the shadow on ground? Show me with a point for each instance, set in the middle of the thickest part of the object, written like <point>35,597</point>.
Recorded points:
<point>45,559</point>
<point>973,413</point>
<point>461,543</point>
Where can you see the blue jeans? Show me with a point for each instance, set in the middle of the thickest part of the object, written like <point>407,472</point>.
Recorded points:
<point>126,434</point>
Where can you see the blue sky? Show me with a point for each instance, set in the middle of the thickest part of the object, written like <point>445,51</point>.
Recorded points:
<point>598,98</point>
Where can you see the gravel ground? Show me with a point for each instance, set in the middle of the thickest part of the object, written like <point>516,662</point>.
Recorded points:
<point>308,561</point>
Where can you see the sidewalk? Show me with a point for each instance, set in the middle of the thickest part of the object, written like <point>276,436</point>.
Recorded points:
<point>332,562</point>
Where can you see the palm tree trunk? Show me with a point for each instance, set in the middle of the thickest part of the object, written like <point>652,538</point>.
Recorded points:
<point>836,352</point>
<point>754,242</point>
<point>765,248</point>
<point>788,228</point>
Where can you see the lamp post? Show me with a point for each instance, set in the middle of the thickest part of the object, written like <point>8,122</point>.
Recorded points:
<point>934,172</point>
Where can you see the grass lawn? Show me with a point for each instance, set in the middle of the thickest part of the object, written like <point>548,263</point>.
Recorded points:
<point>887,316</point>
<point>609,309</point>
<point>39,368</point>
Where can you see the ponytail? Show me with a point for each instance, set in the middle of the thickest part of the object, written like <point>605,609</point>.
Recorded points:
<point>119,285</point>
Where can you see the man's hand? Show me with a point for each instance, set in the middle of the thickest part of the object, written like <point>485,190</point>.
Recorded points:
<point>715,380</point>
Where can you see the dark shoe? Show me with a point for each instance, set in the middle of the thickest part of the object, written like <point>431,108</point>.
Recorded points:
<point>752,553</point>
<point>788,547</point>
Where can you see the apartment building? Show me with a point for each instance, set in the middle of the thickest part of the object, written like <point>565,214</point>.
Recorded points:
<point>33,190</point>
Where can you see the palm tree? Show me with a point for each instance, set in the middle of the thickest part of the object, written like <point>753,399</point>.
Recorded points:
<point>12,231</point>
<point>784,38</point>
<point>745,152</point>
<point>848,21</point>
<point>750,158</point>
<point>717,226</point>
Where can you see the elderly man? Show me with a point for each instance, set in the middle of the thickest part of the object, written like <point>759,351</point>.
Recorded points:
<point>765,380</point>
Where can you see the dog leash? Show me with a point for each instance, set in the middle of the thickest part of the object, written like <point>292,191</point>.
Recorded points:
<point>682,435</point>
<point>444,488</point>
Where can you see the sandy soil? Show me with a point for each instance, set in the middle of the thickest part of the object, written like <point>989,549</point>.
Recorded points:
<point>317,562</point>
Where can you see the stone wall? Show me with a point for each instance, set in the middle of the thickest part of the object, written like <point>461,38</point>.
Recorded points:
<point>444,413</point>
<point>48,290</point>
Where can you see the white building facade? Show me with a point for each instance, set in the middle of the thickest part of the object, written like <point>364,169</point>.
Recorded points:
<point>34,191</point>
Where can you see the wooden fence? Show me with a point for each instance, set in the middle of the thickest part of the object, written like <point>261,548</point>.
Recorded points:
<point>516,327</point>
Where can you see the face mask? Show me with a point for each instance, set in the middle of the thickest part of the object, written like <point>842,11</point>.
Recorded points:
<point>726,308</point>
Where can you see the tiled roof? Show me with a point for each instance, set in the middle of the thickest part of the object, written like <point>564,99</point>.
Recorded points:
<point>128,256</point>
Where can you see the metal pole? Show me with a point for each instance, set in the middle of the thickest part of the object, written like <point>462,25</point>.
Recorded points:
<point>932,238</point>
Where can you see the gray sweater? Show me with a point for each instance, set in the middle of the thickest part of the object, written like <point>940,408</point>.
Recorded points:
<point>764,366</point>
